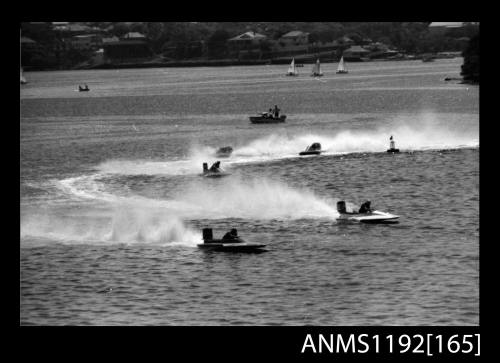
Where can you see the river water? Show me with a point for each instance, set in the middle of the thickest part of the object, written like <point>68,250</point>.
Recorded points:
<point>112,203</point>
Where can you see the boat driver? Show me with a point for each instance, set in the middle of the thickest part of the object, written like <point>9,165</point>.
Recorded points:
<point>365,207</point>
<point>232,234</point>
<point>215,166</point>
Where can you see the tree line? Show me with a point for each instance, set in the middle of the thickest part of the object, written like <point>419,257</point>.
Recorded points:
<point>185,40</point>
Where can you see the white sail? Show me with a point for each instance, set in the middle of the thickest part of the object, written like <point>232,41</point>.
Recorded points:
<point>292,70</point>
<point>23,80</point>
<point>316,71</point>
<point>342,67</point>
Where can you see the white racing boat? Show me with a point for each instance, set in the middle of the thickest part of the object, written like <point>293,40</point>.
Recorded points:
<point>368,217</point>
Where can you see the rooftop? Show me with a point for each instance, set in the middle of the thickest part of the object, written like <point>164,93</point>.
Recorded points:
<point>446,24</point>
<point>294,33</point>
<point>249,36</point>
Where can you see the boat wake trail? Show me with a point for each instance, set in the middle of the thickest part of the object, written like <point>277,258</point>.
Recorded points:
<point>120,224</point>
<point>136,219</point>
<point>410,134</point>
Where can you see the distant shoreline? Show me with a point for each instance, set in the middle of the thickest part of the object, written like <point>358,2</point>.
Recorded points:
<point>207,63</point>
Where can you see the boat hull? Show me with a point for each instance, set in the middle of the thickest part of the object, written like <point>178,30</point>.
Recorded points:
<point>376,217</point>
<point>228,246</point>
<point>342,72</point>
<point>392,150</point>
<point>267,120</point>
<point>215,174</point>
<point>302,153</point>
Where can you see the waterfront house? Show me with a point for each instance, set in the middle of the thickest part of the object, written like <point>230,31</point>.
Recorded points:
<point>355,53</point>
<point>295,37</point>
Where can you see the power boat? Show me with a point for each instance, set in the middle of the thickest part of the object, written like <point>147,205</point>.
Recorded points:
<point>372,217</point>
<point>267,118</point>
<point>314,149</point>
<point>392,146</point>
<point>83,89</point>
<point>214,172</point>
<point>224,152</point>
<point>233,244</point>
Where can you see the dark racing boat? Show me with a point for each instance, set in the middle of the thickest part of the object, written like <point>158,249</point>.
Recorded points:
<point>215,171</point>
<point>233,244</point>
<point>224,152</point>
<point>314,149</point>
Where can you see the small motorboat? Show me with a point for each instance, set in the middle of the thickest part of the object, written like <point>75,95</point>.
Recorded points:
<point>83,89</point>
<point>266,118</point>
<point>392,146</point>
<point>214,172</point>
<point>224,152</point>
<point>373,217</point>
<point>314,149</point>
<point>233,244</point>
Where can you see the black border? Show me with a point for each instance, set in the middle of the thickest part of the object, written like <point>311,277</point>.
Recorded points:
<point>235,343</point>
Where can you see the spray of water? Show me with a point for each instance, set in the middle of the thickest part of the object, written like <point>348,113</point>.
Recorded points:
<point>410,133</point>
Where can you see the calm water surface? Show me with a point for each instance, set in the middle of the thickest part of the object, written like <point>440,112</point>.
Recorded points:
<point>112,204</point>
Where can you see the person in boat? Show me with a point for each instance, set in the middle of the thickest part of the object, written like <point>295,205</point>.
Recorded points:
<point>215,167</point>
<point>86,87</point>
<point>269,113</point>
<point>341,207</point>
<point>276,111</point>
<point>232,234</point>
<point>365,207</point>
<point>392,144</point>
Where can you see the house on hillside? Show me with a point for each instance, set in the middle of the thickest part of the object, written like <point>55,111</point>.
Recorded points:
<point>355,53</point>
<point>248,39</point>
<point>126,50</point>
<point>445,27</point>
<point>247,45</point>
<point>295,37</point>
<point>85,41</point>
<point>28,44</point>
<point>133,36</point>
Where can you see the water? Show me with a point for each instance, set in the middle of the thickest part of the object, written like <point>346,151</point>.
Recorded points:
<point>112,204</point>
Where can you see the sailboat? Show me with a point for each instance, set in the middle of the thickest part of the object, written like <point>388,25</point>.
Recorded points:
<point>23,80</point>
<point>342,67</point>
<point>316,71</point>
<point>292,71</point>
